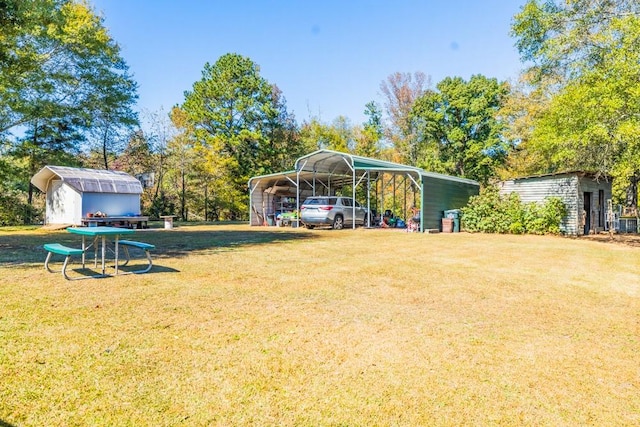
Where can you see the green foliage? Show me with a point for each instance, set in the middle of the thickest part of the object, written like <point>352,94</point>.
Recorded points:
<point>367,139</point>
<point>61,80</point>
<point>491,212</point>
<point>586,56</point>
<point>458,127</point>
<point>241,128</point>
<point>337,136</point>
<point>14,210</point>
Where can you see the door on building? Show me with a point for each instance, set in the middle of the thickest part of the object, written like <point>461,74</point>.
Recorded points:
<point>601,208</point>
<point>587,213</point>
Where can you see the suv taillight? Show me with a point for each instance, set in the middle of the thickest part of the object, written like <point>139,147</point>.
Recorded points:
<point>326,208</point>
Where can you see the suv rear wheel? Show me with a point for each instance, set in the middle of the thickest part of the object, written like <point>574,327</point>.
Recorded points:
<point>338,223</point>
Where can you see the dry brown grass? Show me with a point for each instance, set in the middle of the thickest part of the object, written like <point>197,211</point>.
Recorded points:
<point>265,326</point>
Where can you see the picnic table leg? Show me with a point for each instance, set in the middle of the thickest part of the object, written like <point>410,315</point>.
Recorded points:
<point>64,267</point>
<point>95,252</point>
<point>46,262</point>
<point>116,253</point>
<point>104,245</point>
<point>84,248</point>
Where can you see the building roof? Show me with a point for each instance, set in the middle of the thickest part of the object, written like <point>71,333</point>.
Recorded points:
<point>338,163</point>
<point>588,174</point>
<point>88,180</point>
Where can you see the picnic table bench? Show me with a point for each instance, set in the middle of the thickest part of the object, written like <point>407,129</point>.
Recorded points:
<point>57,248</point>
<point>146,247</point>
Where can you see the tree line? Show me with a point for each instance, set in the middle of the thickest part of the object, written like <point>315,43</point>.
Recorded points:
<point>67,98</point>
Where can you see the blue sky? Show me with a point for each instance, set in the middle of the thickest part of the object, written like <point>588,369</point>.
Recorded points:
<point>328,57</point>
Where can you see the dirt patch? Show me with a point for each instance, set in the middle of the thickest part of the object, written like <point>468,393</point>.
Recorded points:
<point>619,239</point>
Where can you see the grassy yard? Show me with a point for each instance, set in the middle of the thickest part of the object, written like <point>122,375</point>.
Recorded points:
<point>239,325</point>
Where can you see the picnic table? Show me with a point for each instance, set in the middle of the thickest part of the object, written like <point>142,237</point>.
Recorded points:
<point>98,238</point>
<point>101,233</point>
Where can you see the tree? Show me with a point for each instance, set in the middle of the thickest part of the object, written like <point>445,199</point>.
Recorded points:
<point>56,58</point>
<point>401,91</point>
<point>110,107</point>
<point>565,38</point>
<point>590,50</point>
<point>59,72</point>
<point>182,160</point>
<point>282,143</point>
<point>368,138</point>
<point>233,110</point>
<point>337,136</point>
<point>520,112</point>
<point>458,127</point>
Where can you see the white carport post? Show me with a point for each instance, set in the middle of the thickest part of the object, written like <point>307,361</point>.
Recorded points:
<point>353,200</point>
<point>353,191</point>
<point>298,197</point>
<point>368,198</point>
<point>367,220</point>
<point>298,189</point>
<point>251,190</point>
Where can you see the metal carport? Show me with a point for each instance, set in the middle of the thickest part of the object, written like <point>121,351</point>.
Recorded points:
<point>324,171</point>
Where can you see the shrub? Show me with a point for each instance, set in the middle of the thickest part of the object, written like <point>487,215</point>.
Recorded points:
<point>491,212</point>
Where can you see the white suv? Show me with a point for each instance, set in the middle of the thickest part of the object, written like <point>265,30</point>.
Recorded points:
<point>334,211</point>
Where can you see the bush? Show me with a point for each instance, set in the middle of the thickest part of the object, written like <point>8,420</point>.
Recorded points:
<point>490,212</point>
<point>14,211</point>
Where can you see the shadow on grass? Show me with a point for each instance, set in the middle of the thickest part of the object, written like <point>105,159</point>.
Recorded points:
<point>25,248</point>
<point>88,273</point>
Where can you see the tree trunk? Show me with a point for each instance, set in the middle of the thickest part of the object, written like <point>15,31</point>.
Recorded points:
<point>104,149</point>
<point>206,202</point>
<point>183,213</point>
<point>632,192</point>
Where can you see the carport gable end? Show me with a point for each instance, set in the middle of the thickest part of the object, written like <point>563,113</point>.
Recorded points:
<point>443,192</point>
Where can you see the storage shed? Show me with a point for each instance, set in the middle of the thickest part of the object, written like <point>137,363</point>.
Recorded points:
<point>324,172</point>
<point>73,192</point>
<point>584,194</point>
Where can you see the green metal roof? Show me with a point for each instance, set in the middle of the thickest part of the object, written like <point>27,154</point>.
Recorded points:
<point>336,162</point>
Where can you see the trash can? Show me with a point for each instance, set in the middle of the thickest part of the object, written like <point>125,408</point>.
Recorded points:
<point>454,214</point>
<point>270,219</point>
<point>447,225</point>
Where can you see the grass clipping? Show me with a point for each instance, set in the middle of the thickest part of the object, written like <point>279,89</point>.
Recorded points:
<point>264,326</point>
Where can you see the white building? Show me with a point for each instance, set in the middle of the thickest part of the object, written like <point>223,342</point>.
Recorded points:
<point>73,193</point>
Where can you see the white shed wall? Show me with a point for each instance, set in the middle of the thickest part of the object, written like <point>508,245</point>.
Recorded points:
<point>537,189</point>
<point>64,204</point>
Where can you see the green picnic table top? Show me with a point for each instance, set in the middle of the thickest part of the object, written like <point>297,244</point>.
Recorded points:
<point>99,231</point>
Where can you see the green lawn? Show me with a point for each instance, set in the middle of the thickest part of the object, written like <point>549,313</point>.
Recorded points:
<point>239,325</point>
